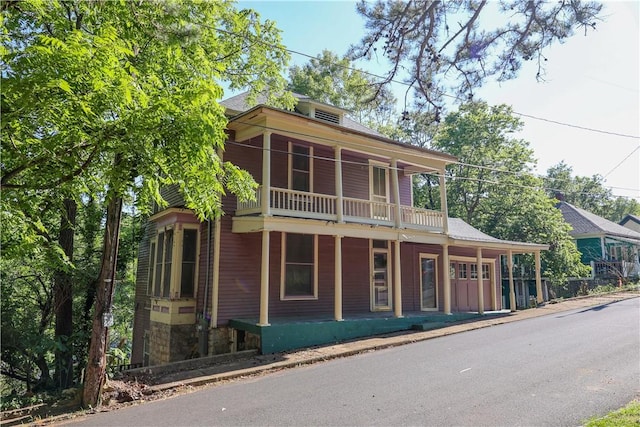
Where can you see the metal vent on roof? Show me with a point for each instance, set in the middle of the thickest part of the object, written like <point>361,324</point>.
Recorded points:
<point>327,116</point>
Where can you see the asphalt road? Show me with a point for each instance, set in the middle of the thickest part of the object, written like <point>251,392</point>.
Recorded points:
<point>556,370</point>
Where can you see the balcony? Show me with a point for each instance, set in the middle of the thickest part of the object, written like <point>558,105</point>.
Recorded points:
<point>300,204</point>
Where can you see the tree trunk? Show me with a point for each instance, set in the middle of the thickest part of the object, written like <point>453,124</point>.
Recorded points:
<point>95,372</point>
<point>63,300</point>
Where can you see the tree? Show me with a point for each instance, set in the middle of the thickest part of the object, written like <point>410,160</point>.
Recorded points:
<point>588,193</point>
<point>492,186</point>
<point>121,96</point>
<point>445,47</point>
<point>331,79</point>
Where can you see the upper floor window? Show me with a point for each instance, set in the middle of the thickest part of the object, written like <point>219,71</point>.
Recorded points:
<point>300,168</point>
<point>299,266</point>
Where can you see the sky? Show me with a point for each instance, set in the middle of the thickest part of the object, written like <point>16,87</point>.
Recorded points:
<point>591,82</point>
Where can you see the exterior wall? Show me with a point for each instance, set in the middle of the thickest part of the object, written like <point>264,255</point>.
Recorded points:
<point>142,302</point>
<point>631,224</point>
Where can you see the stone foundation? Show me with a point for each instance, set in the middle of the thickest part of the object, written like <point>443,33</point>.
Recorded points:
<point>171,343</point>
<point>228,340</point>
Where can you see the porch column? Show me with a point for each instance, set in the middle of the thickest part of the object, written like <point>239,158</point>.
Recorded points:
<point>443,204</point>
<point>264,281</point>
<point>480,281</point>
<point>266,174</point>
<point>512,292</point>
<point>446,279</point>
<point>337,306</point>
<point>397,286</point>
<point>603,249</point>
<point>338,168</point>
<point>396,191</point>
<point>540,297</point>
<point>494,282</point>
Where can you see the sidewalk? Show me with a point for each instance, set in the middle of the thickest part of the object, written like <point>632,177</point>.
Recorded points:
<point>215,369</point>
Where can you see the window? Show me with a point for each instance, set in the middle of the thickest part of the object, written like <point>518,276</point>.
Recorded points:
<point>300,168</point>
<point>189,249</point>
<point>452,270</point>
<point>474,271</point>
<point>170,250</point>
<point>462,271</point>
<point>152,262</point>
<point>299,272</point>
<point>485,272</point>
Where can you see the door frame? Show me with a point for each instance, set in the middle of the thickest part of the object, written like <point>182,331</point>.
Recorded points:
<point>433,257</point>
<point>389,274</point>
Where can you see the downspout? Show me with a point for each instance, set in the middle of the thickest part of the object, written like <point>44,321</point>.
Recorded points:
<point>203,326</point>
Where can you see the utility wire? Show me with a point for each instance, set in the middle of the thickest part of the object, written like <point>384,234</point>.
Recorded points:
<point>621,162</point>
<point>387,80</point>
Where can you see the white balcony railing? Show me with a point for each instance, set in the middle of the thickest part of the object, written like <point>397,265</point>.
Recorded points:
<point>301,204</point>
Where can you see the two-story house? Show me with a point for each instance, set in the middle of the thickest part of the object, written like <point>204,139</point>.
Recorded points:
<point>331,248</point>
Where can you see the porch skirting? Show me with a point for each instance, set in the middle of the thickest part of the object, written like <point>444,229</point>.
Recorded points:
<point>289,334</point>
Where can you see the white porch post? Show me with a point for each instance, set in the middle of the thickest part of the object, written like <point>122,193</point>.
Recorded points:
<point>447,279</point>
<point>337,306</point>
<point>494,282</point>
<point>603,249</point>
<point>264,281</point>
<point>396,191</point>
<point>540,297</point>
<point>338,169</point>
<point>266,174</point>
<point>397,286</point>
<point>512,292</point>
<point>480,281</point>
<point>443,204</point>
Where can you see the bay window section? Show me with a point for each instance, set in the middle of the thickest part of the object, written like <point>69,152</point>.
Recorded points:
<point>174,262</point>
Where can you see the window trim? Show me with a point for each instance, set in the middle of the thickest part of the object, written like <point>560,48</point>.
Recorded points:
<point>283,270</point>
<point>433,257</point>
<point>290,165</point>
<point>385,167</point>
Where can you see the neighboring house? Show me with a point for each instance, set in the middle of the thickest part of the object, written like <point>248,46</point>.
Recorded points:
<point>632,222</point>
<point>331,248</point>
<point>610,249</point>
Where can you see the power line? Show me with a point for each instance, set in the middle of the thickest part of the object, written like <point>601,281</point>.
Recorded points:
<point>388,80</point>
<point>621,162</point>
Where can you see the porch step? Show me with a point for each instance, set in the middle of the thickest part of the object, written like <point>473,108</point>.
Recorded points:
<point>428,326</point>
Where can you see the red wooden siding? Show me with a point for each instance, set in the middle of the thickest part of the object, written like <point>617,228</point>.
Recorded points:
<point>355,276</point>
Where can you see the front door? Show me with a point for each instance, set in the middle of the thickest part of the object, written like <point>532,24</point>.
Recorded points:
<point>380,292</point>
<point>429,282</point>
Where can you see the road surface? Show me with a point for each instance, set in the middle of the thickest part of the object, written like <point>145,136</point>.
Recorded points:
<point>556,370</point>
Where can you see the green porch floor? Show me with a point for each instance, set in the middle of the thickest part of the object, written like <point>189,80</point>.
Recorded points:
<point>290,334</point>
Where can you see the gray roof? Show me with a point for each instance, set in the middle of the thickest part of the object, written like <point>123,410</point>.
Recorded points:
<point>460,230</point>
<point>630,218</point>
<point>585,223</point>
<point>238,103</point>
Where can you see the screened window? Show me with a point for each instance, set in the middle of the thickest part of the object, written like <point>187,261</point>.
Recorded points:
<point>189,249</point>
<point>299,266</point>
<point>152,263</point>
<point>300,168</point>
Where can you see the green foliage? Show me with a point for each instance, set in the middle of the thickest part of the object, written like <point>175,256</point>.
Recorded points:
<point>588,193</point>
<point>331,79</point>
<point>623,417</point>
<point>492,187</point>
<point>111,99</point>
<point>456,46</point>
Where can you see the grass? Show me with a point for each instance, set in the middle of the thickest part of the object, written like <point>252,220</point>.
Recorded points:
<point>629,416</point>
